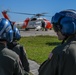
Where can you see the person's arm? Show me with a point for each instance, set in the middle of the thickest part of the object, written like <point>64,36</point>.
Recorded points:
<point>24,59</point>
<point>50,66</point>
<point>18,69</point>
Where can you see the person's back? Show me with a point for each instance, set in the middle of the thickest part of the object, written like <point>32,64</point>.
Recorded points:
<point>19,49</point>
<point>62,59</point>
<point>23,56</point>
<point>16,47</point>
<point>10,63</point>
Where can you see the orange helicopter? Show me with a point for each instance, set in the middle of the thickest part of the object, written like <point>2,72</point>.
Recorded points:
<point>35,22</point>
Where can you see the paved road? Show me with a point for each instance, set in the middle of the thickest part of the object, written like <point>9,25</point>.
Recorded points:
<point>33,67</point>
<point>35,33</point>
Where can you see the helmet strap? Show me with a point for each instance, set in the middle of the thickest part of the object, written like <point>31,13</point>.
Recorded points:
<point>64,39</point>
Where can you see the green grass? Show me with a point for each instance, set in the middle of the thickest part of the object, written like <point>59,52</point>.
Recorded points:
<point>39,47</point>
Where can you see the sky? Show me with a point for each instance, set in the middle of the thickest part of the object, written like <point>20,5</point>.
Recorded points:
<point>34,7</point>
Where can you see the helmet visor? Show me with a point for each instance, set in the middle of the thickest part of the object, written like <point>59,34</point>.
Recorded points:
<point>56,18</point>
<point>55,27</point>
<point>56,21</point>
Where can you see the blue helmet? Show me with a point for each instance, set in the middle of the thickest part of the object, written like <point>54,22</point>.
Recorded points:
<point>17,35</point>
<point>6,32</point>
<point>65,22</point>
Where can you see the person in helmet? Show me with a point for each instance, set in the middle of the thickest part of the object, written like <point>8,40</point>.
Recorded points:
<point>19,49</point>
<point>9,61</point>
<point>62,60</point>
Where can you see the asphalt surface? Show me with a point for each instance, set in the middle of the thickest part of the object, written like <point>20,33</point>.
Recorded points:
<point>36,33</point>
<point>33,65</point>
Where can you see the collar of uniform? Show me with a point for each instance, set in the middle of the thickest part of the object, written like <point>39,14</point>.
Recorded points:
<point>72,38</point>
<point>2,45</point>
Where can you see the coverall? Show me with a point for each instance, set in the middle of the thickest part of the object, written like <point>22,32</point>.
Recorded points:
<point>9,62</point>
<point>16,47</point>
<point>62,60</point>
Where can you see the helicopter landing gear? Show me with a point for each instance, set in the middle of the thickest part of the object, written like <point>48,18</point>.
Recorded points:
<point>44,29</point>
<point>26,29</point>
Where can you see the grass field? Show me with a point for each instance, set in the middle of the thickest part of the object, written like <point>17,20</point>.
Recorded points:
<point>39,47</point>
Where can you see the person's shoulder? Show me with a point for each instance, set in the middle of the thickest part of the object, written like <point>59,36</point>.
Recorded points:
<point>18,45</point>
<point>10,53</point>
<point>18,48</point>
<point>58,49</point>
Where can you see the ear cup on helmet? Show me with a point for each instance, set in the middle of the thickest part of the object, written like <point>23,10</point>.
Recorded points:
<point>56,21</point>
<point>65,22</point>
<point>9,34</point>
<point>68,26</point>
<point>17,35</point>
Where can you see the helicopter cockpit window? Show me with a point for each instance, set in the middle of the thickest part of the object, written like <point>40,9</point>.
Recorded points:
<point>33,19</point>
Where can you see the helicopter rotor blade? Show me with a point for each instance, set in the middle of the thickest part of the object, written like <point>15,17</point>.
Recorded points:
<point>39,14</point>
<point>47,15</point>
<point>20,13</point>
<point>43,15</point>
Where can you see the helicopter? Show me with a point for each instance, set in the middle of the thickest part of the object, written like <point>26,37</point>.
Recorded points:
<point>35,22</point>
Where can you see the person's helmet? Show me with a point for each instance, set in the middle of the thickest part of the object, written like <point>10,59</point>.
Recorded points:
<point>65,22</point>
<point>16,35</point>
<point>6,32</point>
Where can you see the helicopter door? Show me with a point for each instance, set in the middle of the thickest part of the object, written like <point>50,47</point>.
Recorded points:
<point>38,23</point>
<point>33,24</point>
